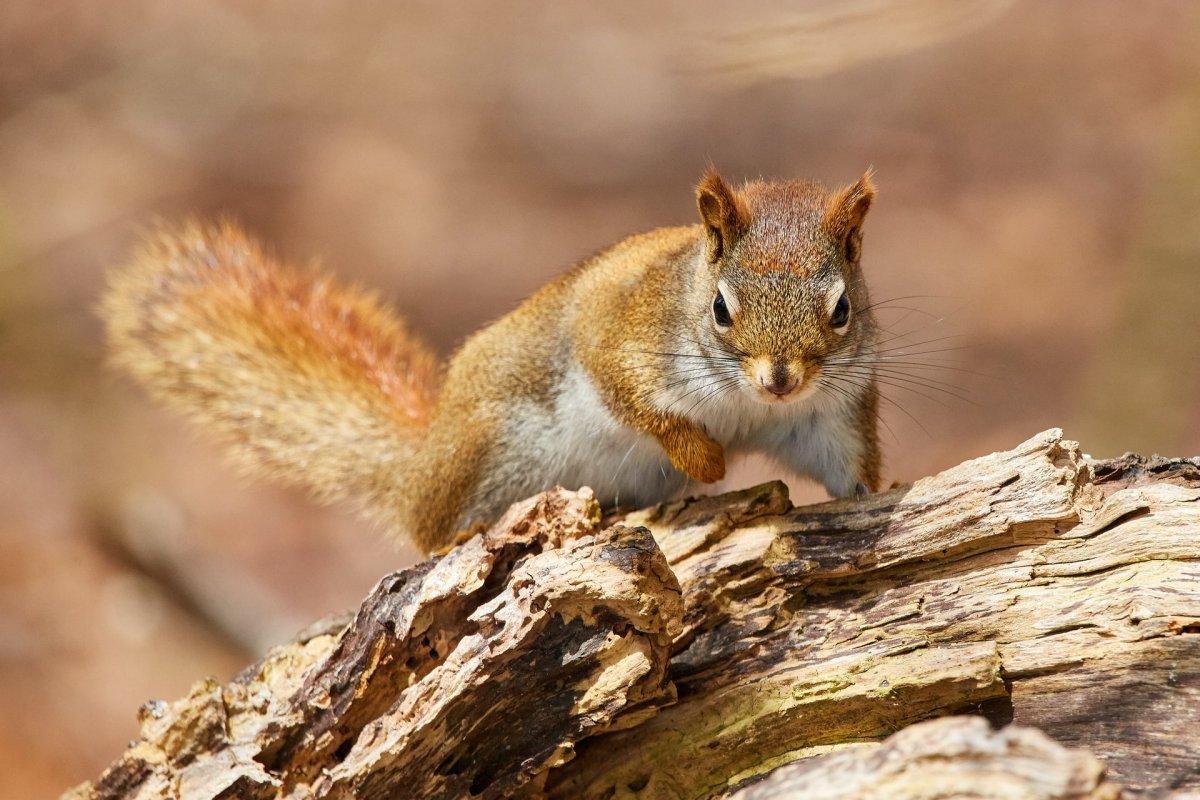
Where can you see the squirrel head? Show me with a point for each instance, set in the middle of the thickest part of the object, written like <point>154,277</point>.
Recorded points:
<point>779,283</point>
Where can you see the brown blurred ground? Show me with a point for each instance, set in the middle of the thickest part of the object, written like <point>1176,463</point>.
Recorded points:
<point>1039,166</point>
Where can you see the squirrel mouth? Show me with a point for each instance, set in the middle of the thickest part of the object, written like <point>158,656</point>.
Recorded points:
<point>784,389</point>
<point>781,394</point>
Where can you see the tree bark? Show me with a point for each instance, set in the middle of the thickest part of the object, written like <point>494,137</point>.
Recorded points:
<point>735,646</point>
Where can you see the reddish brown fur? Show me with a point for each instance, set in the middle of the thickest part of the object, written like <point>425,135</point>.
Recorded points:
<point>844,218</point>
<point>323,387</point>
<point>258,352</point>
<point>723,212</point>
<point>615,352</point>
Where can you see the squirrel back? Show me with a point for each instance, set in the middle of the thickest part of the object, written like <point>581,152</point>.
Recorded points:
<point>308,382</point>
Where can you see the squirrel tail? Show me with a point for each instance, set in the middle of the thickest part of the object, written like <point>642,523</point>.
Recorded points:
<point>310,383</point>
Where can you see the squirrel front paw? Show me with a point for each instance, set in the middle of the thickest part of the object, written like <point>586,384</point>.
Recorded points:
<point>694,453</point>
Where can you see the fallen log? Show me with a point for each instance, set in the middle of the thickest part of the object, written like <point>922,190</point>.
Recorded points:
<point>720,646</point>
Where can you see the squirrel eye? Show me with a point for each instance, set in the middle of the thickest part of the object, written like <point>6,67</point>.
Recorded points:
<point>721,311</point>
<point>841,313</point>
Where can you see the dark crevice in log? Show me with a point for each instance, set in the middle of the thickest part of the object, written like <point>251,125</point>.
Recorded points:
<point>1131,469</point>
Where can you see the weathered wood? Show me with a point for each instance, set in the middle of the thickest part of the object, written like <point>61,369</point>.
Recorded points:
<point>1013,585</point>
<point>957,757</point>
<point>462,677</point>
<point>563,656</point>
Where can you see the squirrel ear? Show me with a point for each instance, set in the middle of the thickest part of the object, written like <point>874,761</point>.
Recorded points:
<point>723,213</point>
<point>844,217</point>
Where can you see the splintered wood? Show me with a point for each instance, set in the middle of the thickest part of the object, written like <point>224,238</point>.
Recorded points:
<point>735,646</point>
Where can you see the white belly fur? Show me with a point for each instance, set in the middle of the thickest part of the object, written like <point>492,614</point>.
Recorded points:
<point>576,442</point>
<point>814,436</point>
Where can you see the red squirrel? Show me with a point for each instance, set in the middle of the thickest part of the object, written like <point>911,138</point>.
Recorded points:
<point>639,368</point>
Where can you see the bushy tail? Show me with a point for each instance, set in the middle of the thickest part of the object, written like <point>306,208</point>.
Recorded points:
<point>310,383</point>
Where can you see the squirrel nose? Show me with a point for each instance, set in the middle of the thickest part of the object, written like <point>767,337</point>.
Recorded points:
<point>778,379</point>
<point>778,387</point>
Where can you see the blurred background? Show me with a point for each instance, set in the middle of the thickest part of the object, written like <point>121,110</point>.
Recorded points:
<point>1039,174</point>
